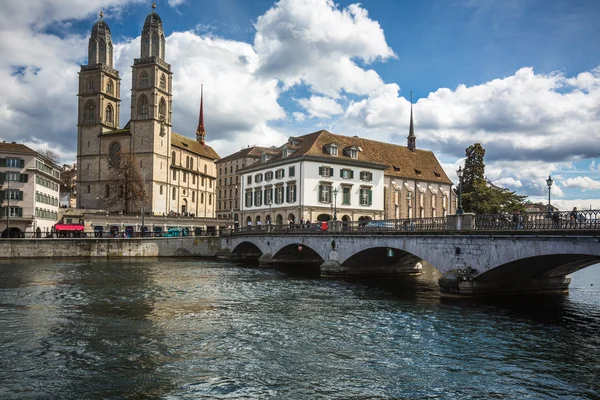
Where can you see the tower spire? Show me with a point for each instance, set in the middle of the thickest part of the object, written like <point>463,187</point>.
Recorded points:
<point>412,145</point>
<point>200,132</point>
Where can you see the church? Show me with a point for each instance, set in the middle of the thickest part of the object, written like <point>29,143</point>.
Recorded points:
<point>179,173</point>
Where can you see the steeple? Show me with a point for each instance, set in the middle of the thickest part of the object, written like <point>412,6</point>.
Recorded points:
<point>200,132</point>
<point>153,36</point>
<point>412,139</point>
<point>100,48</point>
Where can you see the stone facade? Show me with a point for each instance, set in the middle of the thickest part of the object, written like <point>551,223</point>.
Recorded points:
<point>179,174</point>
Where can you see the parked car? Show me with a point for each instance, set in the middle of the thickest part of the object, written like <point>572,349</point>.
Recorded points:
<point>380,225</point>
<point>172,232</point>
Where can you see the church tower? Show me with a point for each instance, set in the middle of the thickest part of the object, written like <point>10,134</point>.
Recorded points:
<point>200,131</point>
<point>412,139</point>
<point>151,99</point>
<point>99,105</point>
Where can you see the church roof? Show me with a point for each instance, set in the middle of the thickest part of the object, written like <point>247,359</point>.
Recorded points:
<point>193,146</point>
<point>100,27</point>
<point>400,161</point>
<point>152,20</point>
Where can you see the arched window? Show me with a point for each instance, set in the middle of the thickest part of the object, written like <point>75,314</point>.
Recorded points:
<point>90,112</point>
<point>173,158</point>
<point>201,198</point>
<point>193,197</point>
<point>144,80</point>
<point>90,84</point>
<point>109,115</point>
<point>143,107</point>
<point>109,86</point>
<point>163,81</point>
<point>162,109</point>
<point>187,161</point>
<point>114,154</point>
<point>191,163</point>
<point>174,193</point>
<point>205,169</point>
<point>106,191</point>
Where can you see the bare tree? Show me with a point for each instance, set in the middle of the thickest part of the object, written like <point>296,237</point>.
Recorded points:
<point>125,186</point>
<point>50,155</point>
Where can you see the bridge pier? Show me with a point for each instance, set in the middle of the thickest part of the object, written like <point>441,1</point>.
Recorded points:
<point>463,286</point>
<point>265,260</point>
<point>333,268</point>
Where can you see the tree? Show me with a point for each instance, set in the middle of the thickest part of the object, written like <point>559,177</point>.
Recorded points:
<point>50,155</point>
<point>480,196</point>
<point>126,186</point>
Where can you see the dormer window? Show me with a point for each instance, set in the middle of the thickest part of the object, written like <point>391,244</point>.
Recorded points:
<point>396,169</point>
<point>333,151</point>
<point>437,174</point>
<point>284,152</point>
<point>418,171</point>
<point>264,157</point>
<point>353,153</point>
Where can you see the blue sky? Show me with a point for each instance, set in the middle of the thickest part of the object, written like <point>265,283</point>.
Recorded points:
<point>521,77</point>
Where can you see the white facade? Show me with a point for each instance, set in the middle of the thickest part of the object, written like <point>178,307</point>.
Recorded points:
<point>30,191</point>
<point>303,189</point>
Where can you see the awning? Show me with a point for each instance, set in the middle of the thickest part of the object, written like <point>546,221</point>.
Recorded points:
<point>64,227</point>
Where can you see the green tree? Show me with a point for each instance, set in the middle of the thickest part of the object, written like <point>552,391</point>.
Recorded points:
<point>481,197</point>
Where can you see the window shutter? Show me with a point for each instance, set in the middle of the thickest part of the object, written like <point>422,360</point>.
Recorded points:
<point>370,197</point>
<point>22,177</point>
<point>331,172</point>
<point>320,193</point>
<point>21,163</point>
<point>287,194</point>
<point>2,177</point>
<point>2,196</point>
<point>370,176</point>
<point>351,174</point>
<point>341,173</point>
<point>20,195</point>
<point>321,170</point>
<point>2,162</point>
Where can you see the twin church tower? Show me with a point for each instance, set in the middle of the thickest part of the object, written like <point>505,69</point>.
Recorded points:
<point>179,173</point>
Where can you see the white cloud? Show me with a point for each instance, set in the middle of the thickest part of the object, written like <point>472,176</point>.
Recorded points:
<point>176,3</point>
<point>314,42</point>
<point>321,107</point>
<point>583,183</point>
<point>298,116</point>
<point>508,182</point>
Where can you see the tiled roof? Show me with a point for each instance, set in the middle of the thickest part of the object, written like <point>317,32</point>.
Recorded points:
<point>16,148</point>
<point>193,146</point>
<point>254,152</point>
<point>401,162</point>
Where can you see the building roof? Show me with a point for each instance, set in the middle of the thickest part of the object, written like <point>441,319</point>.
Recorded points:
<point>15,147</point>
<point>193,146</point>
<point>250,152</point>
<point>400,161</point>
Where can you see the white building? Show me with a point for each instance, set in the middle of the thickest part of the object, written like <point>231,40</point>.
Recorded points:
<point>29,191</point>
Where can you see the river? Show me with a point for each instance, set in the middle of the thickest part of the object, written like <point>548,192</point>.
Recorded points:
<point>197,329</point>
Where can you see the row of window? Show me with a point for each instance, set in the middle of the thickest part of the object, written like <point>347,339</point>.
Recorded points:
<point>184,178</point>
<point>13,177</point>
<point>12,163</point>
<point>230,169</point>
<point>174,196</point>
<point>223,204</point>
<point>89,113</point>
<point>269,196</point>
<point>189,162</point>
<point>47,169</point>
<point>46,199</point>
<point>144,81</point>
<point>12,212</point>
<point>345,173</point>
<point>11,195</point>
<point>223,193</point>
<point>268,176</point>
<point>328,195</point>
<point>46,183</point>
<point>91,85</point>
<point>46,214</point>
<point>230,180</point>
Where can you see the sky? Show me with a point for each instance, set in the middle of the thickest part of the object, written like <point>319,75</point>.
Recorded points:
<point>521,77</point>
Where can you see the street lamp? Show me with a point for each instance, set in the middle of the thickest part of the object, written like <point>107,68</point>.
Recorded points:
<point>335,193</point>
<point>459,210</point>
<point>549,182</point>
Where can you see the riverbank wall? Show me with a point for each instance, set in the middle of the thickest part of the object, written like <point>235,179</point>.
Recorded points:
<point>203,246</point>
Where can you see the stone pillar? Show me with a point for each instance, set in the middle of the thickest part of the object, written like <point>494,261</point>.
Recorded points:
<point>265,260</point>
<point>460,222</point>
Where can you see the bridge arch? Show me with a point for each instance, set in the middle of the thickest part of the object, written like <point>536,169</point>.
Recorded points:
<point>297,253</point>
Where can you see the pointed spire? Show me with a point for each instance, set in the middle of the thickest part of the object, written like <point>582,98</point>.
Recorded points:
<point>412,145</point>
<point>200,132</point>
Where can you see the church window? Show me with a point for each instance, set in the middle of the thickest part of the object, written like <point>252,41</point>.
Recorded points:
<point>89,189</point>
<point>173,158</point>
<point>205,169</point>
<point>109,115</point>
<point>162,109</point>
<point>106,191</point>
<point>174,175</point>
<point>163,81</point>
<point>161,189</point>
<point>191,163</point>
<point>144,80</point>
<point>193,197</point>
<point>109,86</point>
<point>210,199</point>
<point>143,107</point>
<point>187,161</point>
<point>201,198</point>
<point>174,193</point>
<point>90,84</point>
<point>90,111</point>
<point>114,154</point>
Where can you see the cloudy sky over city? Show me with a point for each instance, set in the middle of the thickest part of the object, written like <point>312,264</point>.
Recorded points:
<point>520,77</point>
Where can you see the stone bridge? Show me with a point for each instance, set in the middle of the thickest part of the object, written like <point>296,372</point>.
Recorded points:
<point>470,264</point>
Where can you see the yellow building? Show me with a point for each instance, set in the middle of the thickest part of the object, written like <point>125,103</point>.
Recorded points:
<point>179,173</point>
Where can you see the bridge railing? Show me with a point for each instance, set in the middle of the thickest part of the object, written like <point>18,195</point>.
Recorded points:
<point>559,220</point>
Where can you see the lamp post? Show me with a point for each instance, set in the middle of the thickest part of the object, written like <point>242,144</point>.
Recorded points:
<point>335,193</point>
<point>549,182</point>
<point>459,210</point>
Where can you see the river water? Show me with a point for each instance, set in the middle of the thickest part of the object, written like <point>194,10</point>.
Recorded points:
<point>195,329</point>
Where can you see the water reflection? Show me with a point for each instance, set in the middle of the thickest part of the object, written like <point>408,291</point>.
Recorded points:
<point>191,329</point>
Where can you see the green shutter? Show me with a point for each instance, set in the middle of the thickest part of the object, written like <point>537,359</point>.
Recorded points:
<point>351,174</point>
<point>23,177</point>
<point>320,170</point>
<point>320,193</point>
<point>287,194</point>
<point>19,212</point>
<point>370,176</point>
<point>370,197</point>
<point>331,172</point>
<point>21,163</point>
<point>2,162</point>
<point>2,177</point>
<point>20,195</point>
